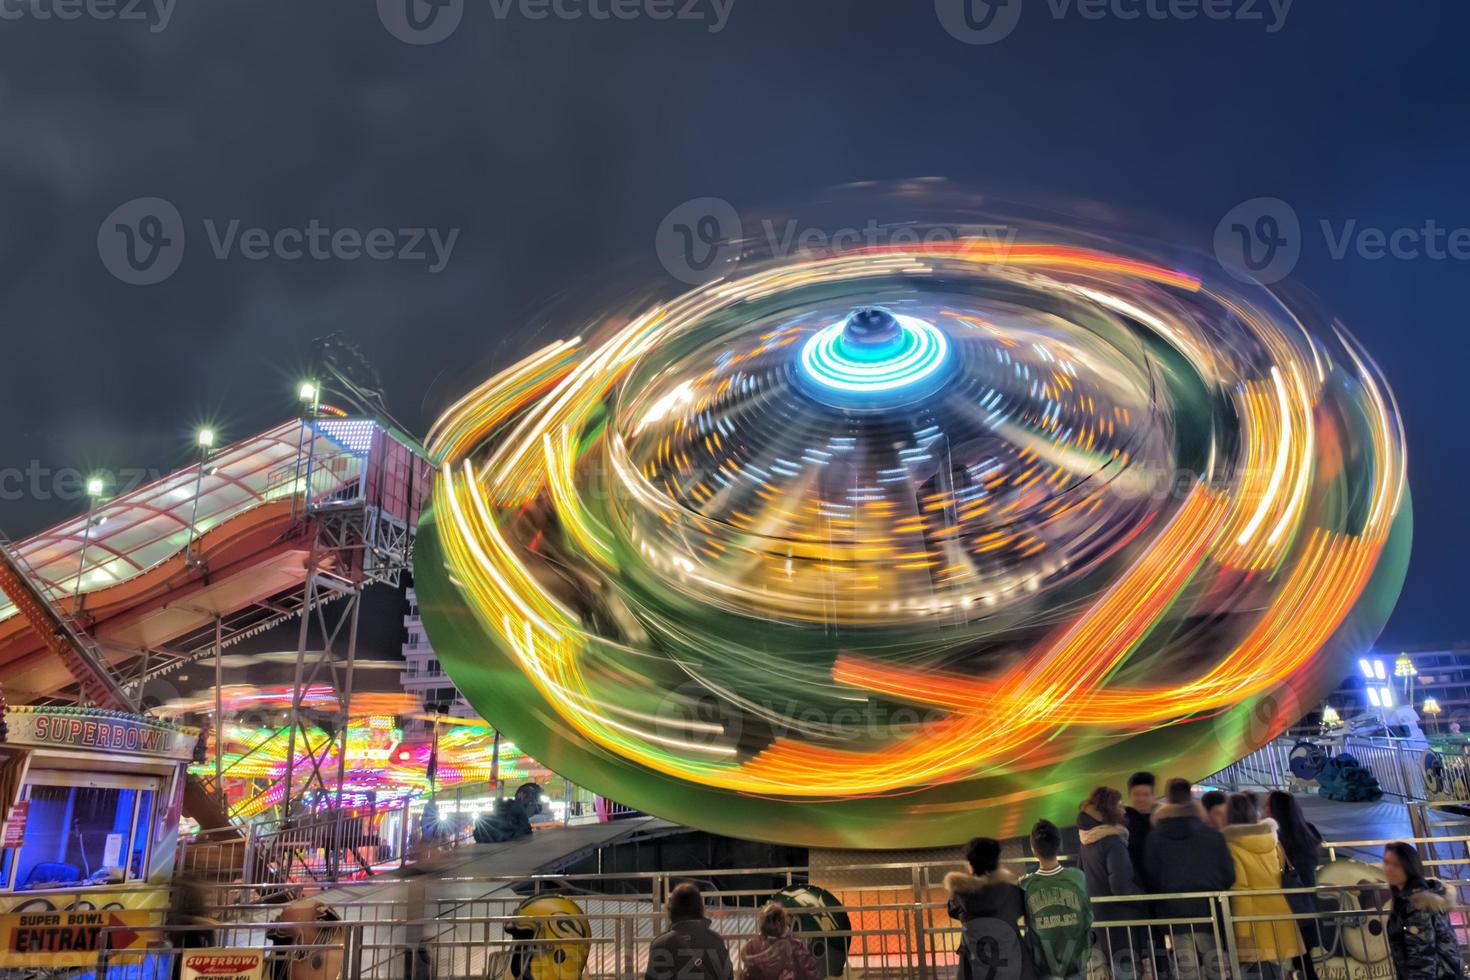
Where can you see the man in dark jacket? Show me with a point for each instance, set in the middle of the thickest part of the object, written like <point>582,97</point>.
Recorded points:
<point>989,904</point>
<point>1186,854</point>
<point>691,949</point>
<point>1141,789</point>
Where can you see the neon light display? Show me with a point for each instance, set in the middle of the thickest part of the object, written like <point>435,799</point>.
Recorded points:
<point>894,547</point>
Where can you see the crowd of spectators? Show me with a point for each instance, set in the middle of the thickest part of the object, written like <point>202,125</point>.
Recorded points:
<point>1143,856</point>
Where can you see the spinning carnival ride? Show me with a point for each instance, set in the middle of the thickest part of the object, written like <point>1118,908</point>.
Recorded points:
<point>898,546</point>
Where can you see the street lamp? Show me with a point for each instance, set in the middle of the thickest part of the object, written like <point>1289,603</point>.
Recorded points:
<point>1432,709</point>
<point>1404,667</point>
<point>1330,716</point>
<point>96,487</point>
<point>205,441</point>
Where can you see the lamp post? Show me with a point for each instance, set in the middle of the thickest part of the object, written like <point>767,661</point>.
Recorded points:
<point>1330,716</point>
<point>206,444</point>
<point>96,487</point>
<point>1404,667</point>
<point>1432,709</point>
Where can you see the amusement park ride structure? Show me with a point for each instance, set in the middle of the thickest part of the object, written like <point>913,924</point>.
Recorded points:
<point>293,523</point>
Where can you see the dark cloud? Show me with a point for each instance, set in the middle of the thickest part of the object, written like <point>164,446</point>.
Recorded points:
<point>557,147</point>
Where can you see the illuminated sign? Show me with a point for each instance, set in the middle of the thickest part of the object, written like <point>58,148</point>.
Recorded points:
<point>98,730</point>
<point>67,939</point>
<point>224,964</point>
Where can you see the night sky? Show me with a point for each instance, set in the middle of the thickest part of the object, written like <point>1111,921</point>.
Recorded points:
<point>556,148</point>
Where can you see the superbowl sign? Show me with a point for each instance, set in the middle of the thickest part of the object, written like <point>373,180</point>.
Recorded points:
<point>223,964</point>
<point>66,939</point>
<point>99,731</point>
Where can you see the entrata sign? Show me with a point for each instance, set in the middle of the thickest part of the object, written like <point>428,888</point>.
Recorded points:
<point>67,939</point>
<point>224,964</point>
<point>98,730</point>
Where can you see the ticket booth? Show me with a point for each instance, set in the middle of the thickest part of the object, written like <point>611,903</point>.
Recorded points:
<point>91,803</point>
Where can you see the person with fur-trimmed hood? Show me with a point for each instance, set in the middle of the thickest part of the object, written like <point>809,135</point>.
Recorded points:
<point>1186,853</point>
<point>989,905</point>
<point>1419,933</point>
<point>1109,871</point>
<point>1259,862</point>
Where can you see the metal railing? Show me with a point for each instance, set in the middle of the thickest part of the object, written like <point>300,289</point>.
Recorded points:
<point>1409,769</point>
<point>901,939</point>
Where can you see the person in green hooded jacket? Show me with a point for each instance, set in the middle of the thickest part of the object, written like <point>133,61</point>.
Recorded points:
<point>1058,914</point>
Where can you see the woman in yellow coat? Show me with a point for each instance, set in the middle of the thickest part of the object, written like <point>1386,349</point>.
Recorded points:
<point>1259,862</point>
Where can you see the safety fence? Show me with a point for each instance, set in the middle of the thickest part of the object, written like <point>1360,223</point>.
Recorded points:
<point>901,940</point>
<point>353,842</point>
<point>329,846</point>
<point>888,919</point>
<point>1407,769</point>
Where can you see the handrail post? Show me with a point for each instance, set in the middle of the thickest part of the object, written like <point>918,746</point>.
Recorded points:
<point>247,860</point>
<point>1227,925</point>
<point>917,926</point>
<point>353,965</point>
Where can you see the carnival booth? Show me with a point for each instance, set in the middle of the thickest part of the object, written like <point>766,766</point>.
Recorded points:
<point>91,802</point>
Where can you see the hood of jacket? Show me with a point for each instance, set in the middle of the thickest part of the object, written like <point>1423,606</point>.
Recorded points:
<point>1259,838</point>
<point>1431,898</point>
<point>1091,829</point>
<point>964,881</point>
<point>1173,811</point>
<point>992,896</point>
<point>1177,821</point>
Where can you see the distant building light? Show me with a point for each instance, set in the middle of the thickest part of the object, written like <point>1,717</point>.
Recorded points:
<point>1366,667</point>
<point>1373,697</point>
<point>1378,670</point>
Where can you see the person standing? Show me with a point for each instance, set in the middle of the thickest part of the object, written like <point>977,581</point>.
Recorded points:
<point>1302,844</point>
<point>1186,854</point>
<point>1142,786</point>
<point>775,954</point>
<point>1420,936</point>
<point>1214,803</point>
<point>1109,872</point>
<point>989,906</point>
<point>690,949</point>
<point>1259,862</point>
<point>1058,914</point>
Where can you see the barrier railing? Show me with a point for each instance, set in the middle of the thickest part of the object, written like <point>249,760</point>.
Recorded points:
<point>341,845</point>
<point>1409,769</point>
<point>901,940</point>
